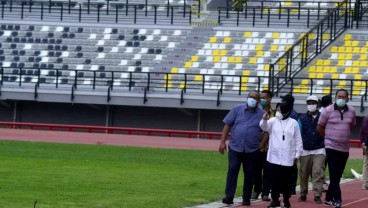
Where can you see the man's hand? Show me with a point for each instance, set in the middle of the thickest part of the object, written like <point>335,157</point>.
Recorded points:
<point>222,147</point>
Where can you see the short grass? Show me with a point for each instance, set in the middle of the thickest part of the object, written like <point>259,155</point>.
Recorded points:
<point>73,175</point>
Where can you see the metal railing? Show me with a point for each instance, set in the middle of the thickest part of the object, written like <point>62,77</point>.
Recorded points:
<point>309,46</point>
<point>105,12</point>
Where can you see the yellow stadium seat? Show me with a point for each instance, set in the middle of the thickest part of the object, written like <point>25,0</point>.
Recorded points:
<point>168,85</point>
<point>357,83</point>
<point>253,60</point>
<point>335,76</point>
<point>363,57</point>
<point>349,56</point>
<point>325,36</point>
<point>342,83</point>
<point>246,73</point>
<point>182,85</point>
<point>216,59</point>
<point>215,52</point>
<point>341,63</point>
<point>312,75</point>
<point>244,88</point>
<point>274,48</point>
<point>267,67</point>
<point>198,78</point>
<point>188,64</point>
<point>347,37</point>
<point>327,62</point>
<point>341,56</point>
<point>296,90</point>
<point>354,43</point>
<point>333,69</point>
<point>231,59</point>
<point>244,79</point>
<point>349,49</point>
<point>305,82</point>
<point>355,70</point>
<point>341,49</point>
<point>358,76</point>
<point>312,69</point>
<point>260,54</point>
<point>213,40</point>
<point>320,76</point>
<point>319,69</point>
<point>326,69</point>
<point>356,92</point>
<point>247,34</point>
<point>174,70</point>
<point>275,35</point>
<point>319,62</point>
<point>227,40</point>
<point>347,70</point>
<point>348,43</point>
<point>223,52</point>
<point>259,47</point>
<point>334,49</point>
<point>167,77</point>
<point>326,91</point>
<point>356,63</point>
<point>356,50</point>
<point>363,50</point>
<point>194,58</point>
<point>238,59</point>
<point>363,64</point>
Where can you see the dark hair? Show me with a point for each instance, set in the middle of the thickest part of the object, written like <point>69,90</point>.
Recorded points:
<point>285,109</point>
<point>343,90</point>
<point>326,100</point>
<point>269,93</point>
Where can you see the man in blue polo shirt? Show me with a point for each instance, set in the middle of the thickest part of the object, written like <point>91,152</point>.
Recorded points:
<point>243,122</point>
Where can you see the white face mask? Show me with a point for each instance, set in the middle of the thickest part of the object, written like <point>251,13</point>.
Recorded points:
<point>278,115</point>
<point>312,108</point>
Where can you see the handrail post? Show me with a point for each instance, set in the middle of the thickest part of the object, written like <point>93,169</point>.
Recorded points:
<point>182,97</point>
<point>145,95</point>
<point>37,85</point>
<point>218,102</point>
<point>109,93</point>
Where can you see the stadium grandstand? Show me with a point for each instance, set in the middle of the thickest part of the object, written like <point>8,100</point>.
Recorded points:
<point>143,63</point>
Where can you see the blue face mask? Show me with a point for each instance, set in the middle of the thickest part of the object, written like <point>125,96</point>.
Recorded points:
<point>263,102</point>
<point>340,102</point>
<point>251,102</point>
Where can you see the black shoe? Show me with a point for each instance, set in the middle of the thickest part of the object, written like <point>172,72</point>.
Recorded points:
<point>246,203</point>
<point>274,204</point>
<point>293,192</point>
<point>254,195</point>
<point>227,200</point>
<point>302,198</point>
<point>318,200</point>
<point>266,198</point>
<point>287,203</point>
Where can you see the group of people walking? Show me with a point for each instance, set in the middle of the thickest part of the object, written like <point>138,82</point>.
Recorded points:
<point>264,140</point>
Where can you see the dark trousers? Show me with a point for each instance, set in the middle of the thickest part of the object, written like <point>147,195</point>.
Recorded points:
<point>236,159</point>
<point>262,182</point>
<point>294,177</point>
<point>281,181</point>
<point>336,161</point>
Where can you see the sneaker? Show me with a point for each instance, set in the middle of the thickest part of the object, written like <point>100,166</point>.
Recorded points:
<point>287,203</point>
<point>337,204</point>
<point>274,204</point>
<point>302,198</point>
<point>254,195</point>
<point>329,203</point>
<point>266,198</point>
<point>318,200</point>
<point>227,200</point>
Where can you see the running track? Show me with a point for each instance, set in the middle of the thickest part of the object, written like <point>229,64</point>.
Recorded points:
<point>353,196</point>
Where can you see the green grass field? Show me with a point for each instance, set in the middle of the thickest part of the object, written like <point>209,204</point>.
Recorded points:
<point>72,175</point>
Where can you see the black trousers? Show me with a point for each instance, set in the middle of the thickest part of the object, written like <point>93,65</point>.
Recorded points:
<point>336,161</point>
<point>236,160</point>
<point>281,181</point>
<point>262,176</point>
